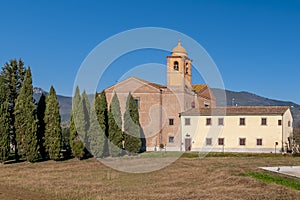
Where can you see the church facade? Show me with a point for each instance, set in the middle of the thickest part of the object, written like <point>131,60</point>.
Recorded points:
<point>160,105</point>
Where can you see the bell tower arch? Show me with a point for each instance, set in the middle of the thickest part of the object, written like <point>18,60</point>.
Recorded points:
<point>179,68</point>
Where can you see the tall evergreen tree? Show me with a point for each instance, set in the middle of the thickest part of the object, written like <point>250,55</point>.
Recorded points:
<point>77,146</point>
<point>84,110</point>
<point>86,101</point>
<point>53,132</point>
<point>96,133</point>
<point>26,121</point>
<point>13,74</point>
<point>4,123</point>
<point>41,108</point>
<point>132,127</point>
<point>66,139</point>
<point>102,115</point>
<point>115,127</point>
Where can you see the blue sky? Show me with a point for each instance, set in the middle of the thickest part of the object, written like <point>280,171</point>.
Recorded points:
<point>255,44</point>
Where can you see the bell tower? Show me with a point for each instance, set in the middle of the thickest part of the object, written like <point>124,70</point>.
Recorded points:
<point>179,69</point>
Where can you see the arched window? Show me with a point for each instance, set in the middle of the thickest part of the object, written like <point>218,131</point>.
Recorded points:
<point>186,67</point>
<point>176,66</point>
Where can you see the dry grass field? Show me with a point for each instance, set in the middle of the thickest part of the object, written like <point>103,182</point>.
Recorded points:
<point>187,178</point>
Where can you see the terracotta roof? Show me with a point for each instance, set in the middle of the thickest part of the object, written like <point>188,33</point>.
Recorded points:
<point>199,87</point>
<point>158,86</point>
<point>237,110</point>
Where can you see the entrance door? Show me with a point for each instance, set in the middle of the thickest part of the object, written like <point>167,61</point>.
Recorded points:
<point>187,144</point>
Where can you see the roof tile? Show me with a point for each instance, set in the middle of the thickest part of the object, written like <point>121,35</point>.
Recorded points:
<point>237,110</point>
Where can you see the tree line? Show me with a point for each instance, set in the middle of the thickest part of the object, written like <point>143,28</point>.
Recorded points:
<point>28,130</point>
<point>97,128</point>
<point>32,130</point>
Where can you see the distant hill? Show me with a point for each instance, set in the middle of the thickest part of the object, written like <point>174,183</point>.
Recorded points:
<point>232,98</point>
<point>248,99</point>
<point>65,103</point>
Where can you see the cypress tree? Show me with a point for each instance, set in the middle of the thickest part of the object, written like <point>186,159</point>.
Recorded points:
<point>85,117</point>
<point>66,140</point>
<point>26,121</point>
<point>80,115</point>
<point>53,131</point>
<point>4,123</point>
<point>102,115</point>
<point>41,108</point>
<point>96,133</point>
<point>13,74</point>
<point>115,127</point>
<point>132,128</point>
<point>76,144</point>
<point>86,101</point>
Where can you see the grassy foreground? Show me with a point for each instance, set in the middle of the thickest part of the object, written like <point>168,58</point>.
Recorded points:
<point>190,177</point>
<point>267,177</point>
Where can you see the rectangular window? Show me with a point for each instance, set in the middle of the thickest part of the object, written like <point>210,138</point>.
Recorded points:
<point>259,142</point>
<point>220,141</point>
<point>187,121</point>
<point>193,104</point>
<point>208,141</point>
<point>242,141</point>
<point>242,121</point>
<point>289,123</point>
<point>263,121</point>
<point>171,121</point>
<point>171,139</point>
<point>279,122</point>
<point>137,101</point>
<point>221,121</point>
<point>208,121</point>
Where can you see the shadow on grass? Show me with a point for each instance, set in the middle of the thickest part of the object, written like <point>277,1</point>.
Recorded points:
<point>9,162</point>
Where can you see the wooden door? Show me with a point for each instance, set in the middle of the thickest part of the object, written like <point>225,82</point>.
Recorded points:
<point>187,144</point>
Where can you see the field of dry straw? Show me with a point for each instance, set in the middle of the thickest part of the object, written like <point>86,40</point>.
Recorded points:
<point>187,178</point>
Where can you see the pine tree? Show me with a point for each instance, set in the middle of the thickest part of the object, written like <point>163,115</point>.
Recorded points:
<point>26,121</point>
<point>115,127</point>
<point>4,123</point>
<point>41,108</point>
<point>53,132</point>
<point>76,144</point>
<point>132,127</point>
<point>13,74</point>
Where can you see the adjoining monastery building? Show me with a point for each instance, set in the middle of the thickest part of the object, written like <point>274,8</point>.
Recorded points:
<point>182,116</point>
<point>237,129</point>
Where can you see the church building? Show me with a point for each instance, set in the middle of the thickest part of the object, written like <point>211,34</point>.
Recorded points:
<point>160,105</point>
<point>181,116</point>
